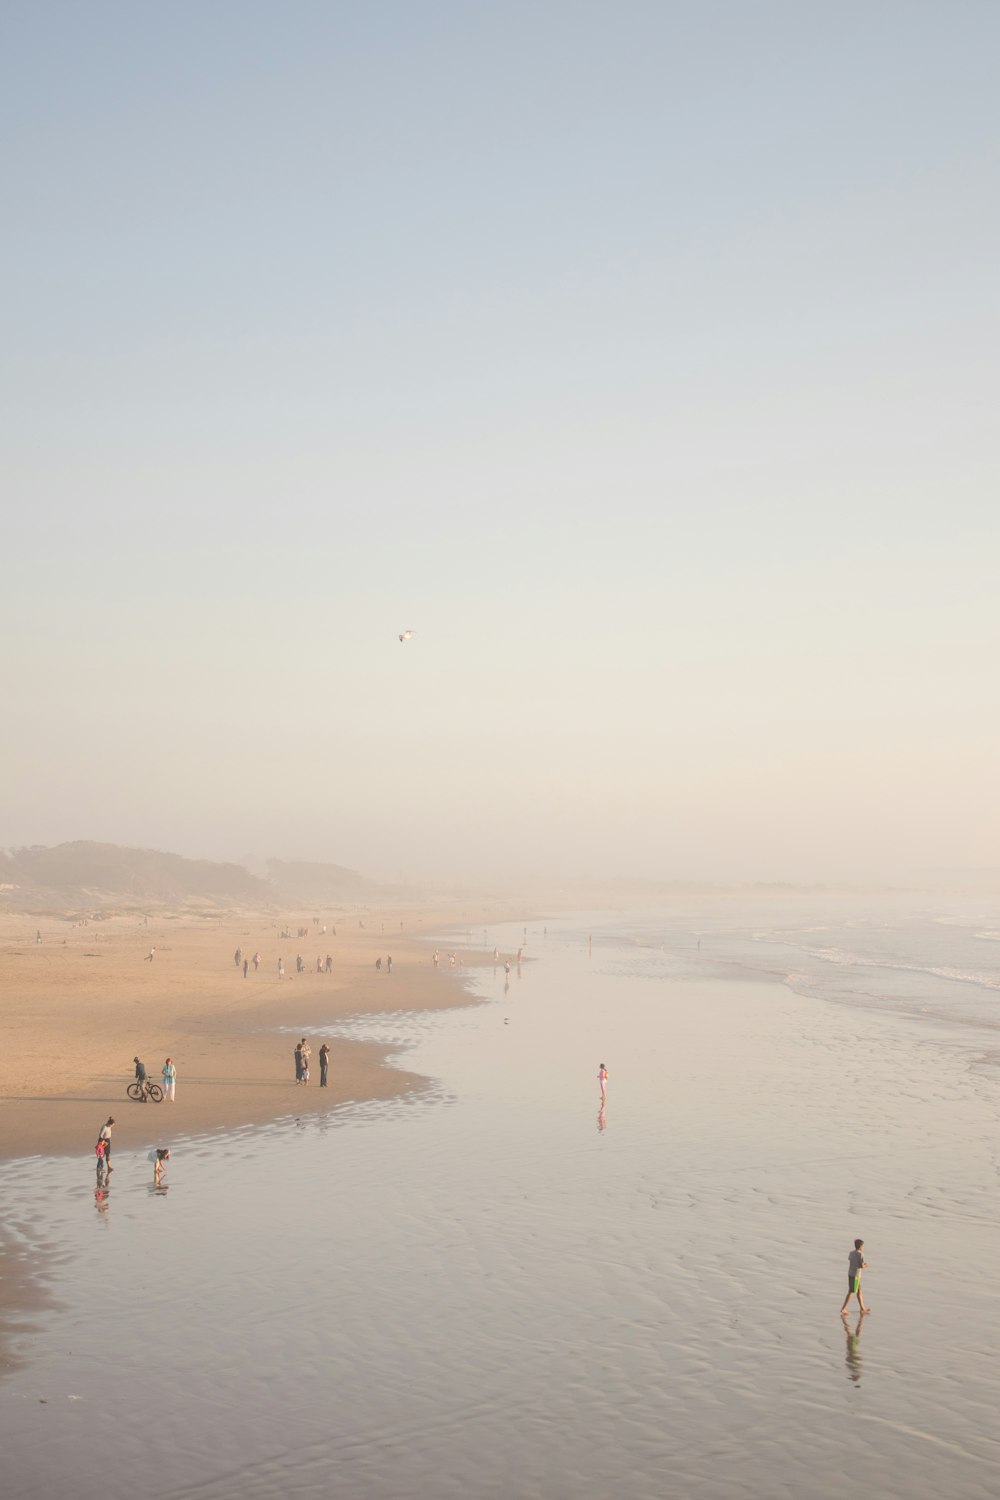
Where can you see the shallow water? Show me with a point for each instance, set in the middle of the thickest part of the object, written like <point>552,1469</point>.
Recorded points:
<point>481,1292</point>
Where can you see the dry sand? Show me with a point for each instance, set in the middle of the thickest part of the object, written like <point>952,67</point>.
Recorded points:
<point>80,1004</point>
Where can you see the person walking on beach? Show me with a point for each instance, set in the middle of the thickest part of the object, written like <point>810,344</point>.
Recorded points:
<point>298,1062</point>
<point>149,956</point>
<point>856,1263</point>
<point>238,957</point>
<point>169,1080</point>
<point>281,968</point>
<point>324,1063</point>
<point>140,1076</point>
<point>388,963</point>
<point>306,1055</point>
<point>256,962</point>
<point>246,965</point>
<point>602,1078</point>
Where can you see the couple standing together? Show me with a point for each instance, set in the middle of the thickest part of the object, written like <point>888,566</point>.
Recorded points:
<point>303,1052</point>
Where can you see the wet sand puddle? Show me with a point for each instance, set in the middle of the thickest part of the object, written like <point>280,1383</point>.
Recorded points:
<point>490,1290</point>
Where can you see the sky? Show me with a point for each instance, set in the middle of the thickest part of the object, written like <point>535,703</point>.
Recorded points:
<point>642,358</point>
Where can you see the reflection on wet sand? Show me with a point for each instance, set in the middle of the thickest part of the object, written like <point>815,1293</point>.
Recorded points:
<point>602,1118</point>
<point>853,1355</point>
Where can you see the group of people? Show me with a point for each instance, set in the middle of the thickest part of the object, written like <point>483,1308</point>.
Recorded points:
<point>159,1156</point>
<point>169,1078</point>
<point>239,957</point>
<point>303,1052</point>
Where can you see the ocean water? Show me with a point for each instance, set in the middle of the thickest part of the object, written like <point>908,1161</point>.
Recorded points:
<point>490,1288</point>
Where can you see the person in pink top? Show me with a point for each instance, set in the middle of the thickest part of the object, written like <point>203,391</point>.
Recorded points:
<point>602,1078</point>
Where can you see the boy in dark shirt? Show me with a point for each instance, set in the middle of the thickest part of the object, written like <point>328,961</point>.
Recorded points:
<point>856,1263</point>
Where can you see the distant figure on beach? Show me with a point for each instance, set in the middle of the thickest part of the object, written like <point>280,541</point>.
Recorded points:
<point>281,968</point>
<point>437,958</point>
<point>238,957</point>
<point>602,1078</point>
<point>324,1063</point>
<point>856,1263</point>
<point>306,1054</point>
<point>298,1062</point>
<point>299,965</point>
<point>161,1155</point>
<point>140,1076</point>
<point>38,935</point>
<point>506,966</point>
<point>149,956</point>
<point>378,965</point>
<point>388,963</point>
<point>328,966</point>
<point>169,1079</point>
<point>256,961</point>
<point>319,964</point>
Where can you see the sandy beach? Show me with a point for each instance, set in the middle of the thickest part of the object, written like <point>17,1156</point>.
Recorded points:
<point>490,1286</point>
<point>82,1002</point>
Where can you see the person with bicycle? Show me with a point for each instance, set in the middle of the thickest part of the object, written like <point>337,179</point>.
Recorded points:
<point>140,1077</point>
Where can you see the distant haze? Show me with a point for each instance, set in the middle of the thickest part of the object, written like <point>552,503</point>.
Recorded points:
<point>642,359</point>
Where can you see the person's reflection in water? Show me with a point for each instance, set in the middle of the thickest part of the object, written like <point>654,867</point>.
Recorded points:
<point>101,1199</point>
<point>602,1117</point>
<point>853,1355</point>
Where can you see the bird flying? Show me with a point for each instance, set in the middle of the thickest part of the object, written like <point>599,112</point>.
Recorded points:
<point>406,635</point>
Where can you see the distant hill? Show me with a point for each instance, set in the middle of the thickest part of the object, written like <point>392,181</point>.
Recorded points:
<point>93,875</point>
<point>301,882</point>
<point>90,876</point>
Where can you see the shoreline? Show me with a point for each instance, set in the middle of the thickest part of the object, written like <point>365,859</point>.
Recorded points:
<point>86,1000</point>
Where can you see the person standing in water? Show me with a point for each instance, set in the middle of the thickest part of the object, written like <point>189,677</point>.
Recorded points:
<point>324,1063</point>
<point>856,1263</point>
<point>104,1135</point>
<point>602,1078</point>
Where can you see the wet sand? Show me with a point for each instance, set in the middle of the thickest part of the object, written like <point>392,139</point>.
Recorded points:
<point>485,1289</point>
<point>79,1005</point>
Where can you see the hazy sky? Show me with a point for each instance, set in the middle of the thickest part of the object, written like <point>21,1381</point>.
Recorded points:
<point>641,357</point>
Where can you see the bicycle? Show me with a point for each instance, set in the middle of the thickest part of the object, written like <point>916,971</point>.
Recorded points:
<point>140,1092</point>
